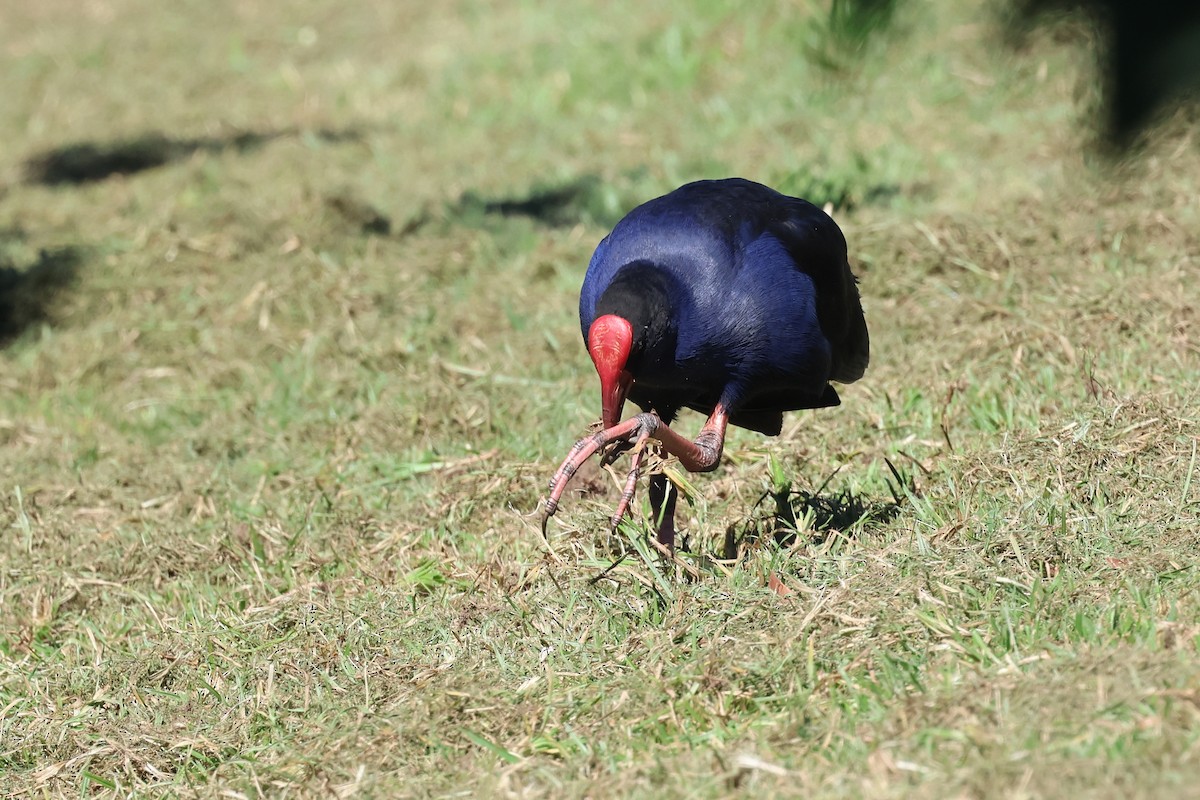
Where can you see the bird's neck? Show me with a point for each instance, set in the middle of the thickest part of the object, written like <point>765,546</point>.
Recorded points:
<point>648,297</point>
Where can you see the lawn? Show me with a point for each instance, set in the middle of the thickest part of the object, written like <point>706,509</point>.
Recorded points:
<point>289,350</point>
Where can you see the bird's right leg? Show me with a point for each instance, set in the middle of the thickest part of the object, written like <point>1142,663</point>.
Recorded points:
<point>703,454</point>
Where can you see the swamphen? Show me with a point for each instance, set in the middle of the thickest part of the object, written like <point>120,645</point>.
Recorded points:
<point>723,296</point>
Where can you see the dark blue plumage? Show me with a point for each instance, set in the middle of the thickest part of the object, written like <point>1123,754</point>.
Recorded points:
<point>723,296</point>
<point>765,308</point>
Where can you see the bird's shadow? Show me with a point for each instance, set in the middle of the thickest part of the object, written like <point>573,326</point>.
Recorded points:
<point>784,514</point>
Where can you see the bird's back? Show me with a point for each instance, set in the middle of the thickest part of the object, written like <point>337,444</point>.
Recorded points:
<point>763,294</point>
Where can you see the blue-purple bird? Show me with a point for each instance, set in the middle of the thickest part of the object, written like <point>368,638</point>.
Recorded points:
<point>723,296</point>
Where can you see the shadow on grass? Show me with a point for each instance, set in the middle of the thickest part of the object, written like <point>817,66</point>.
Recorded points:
<point>87,162</point>
<point>557,205</point>
<point>589,199</point>
<point>1148,55</point>
<point>366,218</point>
<point>818,514</point>
<point>26,295</point>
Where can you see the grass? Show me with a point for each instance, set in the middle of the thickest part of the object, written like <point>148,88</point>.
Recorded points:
<point>290,352</point>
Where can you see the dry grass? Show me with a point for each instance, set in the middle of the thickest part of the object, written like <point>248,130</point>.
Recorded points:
<point>290,354</point>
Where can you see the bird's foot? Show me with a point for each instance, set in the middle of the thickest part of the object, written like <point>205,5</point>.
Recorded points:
<point>702,455</point>
<point>633,433</point>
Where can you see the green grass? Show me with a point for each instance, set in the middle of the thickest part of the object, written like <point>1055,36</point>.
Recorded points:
<point>277,409</point>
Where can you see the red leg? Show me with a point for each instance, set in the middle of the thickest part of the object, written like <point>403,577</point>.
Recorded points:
<point>581,452</point>
<point>702,455</point>
<point>635,470</point>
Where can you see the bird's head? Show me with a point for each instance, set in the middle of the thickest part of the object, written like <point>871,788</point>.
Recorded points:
<point>610,340</point>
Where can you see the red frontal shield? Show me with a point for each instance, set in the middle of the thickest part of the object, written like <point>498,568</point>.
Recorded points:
<point>609,341</point>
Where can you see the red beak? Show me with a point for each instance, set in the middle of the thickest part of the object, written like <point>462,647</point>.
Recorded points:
<point>609,341</point>
<point>612,398</point>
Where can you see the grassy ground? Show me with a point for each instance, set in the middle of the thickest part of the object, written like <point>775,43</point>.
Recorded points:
<point>290,352</point>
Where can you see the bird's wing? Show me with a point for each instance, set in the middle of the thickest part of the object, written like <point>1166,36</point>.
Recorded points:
<point>818,249</point>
